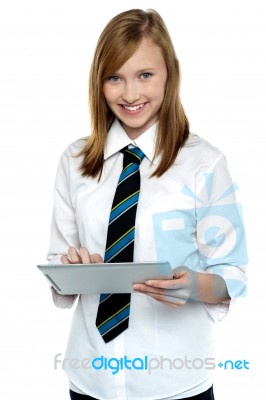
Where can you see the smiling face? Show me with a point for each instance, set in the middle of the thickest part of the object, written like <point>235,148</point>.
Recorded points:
<point>135,92</point>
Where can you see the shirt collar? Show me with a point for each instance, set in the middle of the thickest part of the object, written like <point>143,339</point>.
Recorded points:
<point>117,139</point>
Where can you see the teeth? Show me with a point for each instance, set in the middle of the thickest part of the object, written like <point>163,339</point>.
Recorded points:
<point>134,108</point>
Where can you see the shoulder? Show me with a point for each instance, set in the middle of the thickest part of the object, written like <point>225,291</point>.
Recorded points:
<point>75,147</point>
<point>200,150</point>
<point>70,159</point>
<point>197,143</point>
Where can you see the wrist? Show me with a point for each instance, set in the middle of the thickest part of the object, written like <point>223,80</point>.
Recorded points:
<point>208,288</point>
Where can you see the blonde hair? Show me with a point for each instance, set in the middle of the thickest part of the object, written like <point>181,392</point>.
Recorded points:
<point>117,43</point>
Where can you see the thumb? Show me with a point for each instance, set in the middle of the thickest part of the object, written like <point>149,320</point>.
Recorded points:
<point>179,272</point>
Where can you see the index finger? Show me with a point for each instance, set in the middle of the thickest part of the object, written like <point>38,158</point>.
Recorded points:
<point>85,255</point>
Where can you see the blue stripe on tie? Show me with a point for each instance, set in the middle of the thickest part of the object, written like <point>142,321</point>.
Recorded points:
<point>132,200</point>
<point>122,213</point>
<point>128,171</point>
<point>119,245</point>
<point>104,296</point>
<point>110,259</point>
<point>137,151</point>
<point>114,321</point>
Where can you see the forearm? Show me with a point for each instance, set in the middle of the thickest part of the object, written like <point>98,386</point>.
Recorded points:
<point>63,301</point>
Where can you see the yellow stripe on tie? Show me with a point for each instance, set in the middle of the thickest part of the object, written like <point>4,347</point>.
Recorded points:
<point>134,154</point>
<point>129,165</point>
<point>121,202</point>
<point>108,319</point>
<point>131,229</point>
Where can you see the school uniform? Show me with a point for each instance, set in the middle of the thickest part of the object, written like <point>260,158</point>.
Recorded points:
<point>166,353</point>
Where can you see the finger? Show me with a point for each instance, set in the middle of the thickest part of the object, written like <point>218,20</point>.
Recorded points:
<point>173,305</point>
<point>142,287</point>
<point>85,255</point>
<point>65,260</point>
<point>165,283</point>
<point>149,288</point>
<point>171,301</point>
<point>73,255</point>
<point>179,295</point>
<point>96,258</point>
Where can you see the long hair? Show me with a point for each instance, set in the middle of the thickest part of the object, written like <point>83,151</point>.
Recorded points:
<point>117,43</point>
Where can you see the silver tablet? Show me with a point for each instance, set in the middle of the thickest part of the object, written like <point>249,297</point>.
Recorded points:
<point>103,278</point>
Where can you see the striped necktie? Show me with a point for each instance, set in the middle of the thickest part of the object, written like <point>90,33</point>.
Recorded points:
<point>113,311</point>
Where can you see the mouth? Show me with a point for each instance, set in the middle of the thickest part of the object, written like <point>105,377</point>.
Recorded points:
<point>133,108</point>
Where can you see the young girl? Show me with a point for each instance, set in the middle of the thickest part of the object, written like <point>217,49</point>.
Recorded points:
<point>141,187</point>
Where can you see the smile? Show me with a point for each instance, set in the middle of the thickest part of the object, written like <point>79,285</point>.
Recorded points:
<point>133,108</point>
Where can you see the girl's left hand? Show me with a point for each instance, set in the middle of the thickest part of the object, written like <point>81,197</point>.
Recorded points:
<point>173,292</point>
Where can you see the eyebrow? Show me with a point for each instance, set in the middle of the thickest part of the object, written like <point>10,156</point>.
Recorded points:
<point>139,71</point>
<point>145,69</point>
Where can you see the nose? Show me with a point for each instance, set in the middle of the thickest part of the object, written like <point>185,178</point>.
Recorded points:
<point>130,93</point>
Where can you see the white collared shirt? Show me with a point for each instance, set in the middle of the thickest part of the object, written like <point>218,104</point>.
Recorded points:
<point>188,217</point>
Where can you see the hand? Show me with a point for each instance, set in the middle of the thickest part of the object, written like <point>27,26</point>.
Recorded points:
<point>186,285</point>
<point>173,292</point>
<point>81,257</point>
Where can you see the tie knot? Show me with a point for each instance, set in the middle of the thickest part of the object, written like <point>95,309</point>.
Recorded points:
<point>132,155</point>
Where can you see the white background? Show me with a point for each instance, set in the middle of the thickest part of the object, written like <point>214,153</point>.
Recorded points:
<point>46,50</point>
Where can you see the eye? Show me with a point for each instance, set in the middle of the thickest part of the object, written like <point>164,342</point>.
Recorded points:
<point>145,75</point>
<point>114,79</point>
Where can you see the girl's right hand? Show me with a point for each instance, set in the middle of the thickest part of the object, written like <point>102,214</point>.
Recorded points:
<point>81,257</point>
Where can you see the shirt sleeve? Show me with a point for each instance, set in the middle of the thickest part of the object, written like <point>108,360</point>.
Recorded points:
<point>64,231</point>
<point>220,233</point>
